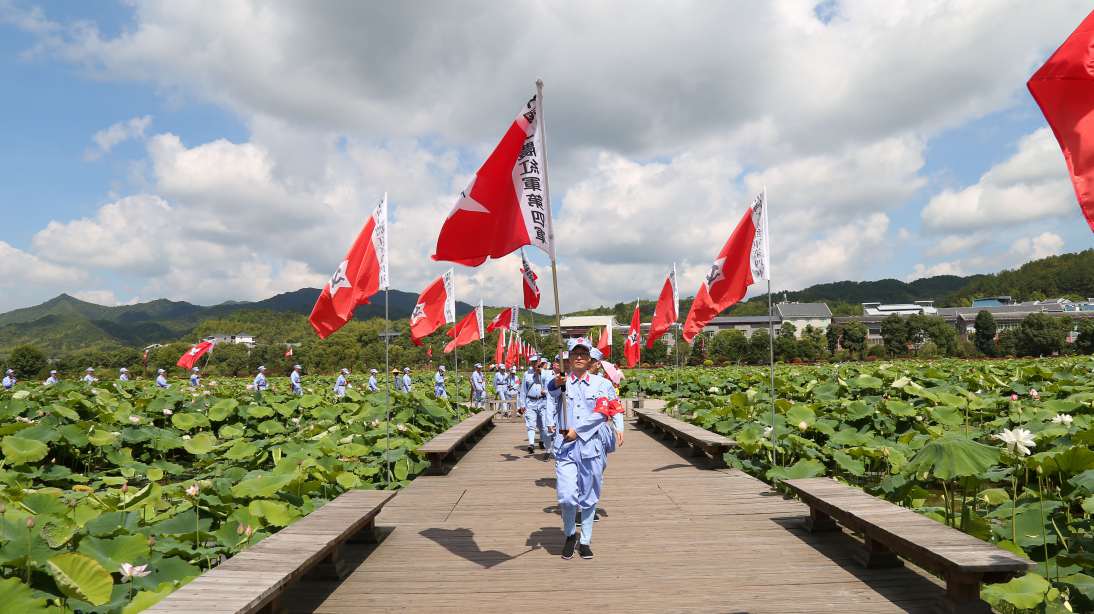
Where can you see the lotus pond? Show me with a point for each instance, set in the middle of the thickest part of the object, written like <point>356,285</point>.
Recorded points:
<point>998,449</point>
<point>114,495</point>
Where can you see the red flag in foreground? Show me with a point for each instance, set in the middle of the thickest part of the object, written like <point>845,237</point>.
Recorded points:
<point>632,347</point>
<point>362,274</point>
<point>436,307</point>
<point>1064,89</point>
<point>604,343</point>
<point>190,358</point>
<point>499,352</point>
<point>469,329</point>
<point>531,290</point>
<point>505,206</point>
<point>667,310</point>
<point>512,356</point>
<point>742,261</point>
<point>506,318</point>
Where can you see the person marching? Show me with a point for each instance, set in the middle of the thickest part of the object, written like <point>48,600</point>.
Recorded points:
<point>407,382</point>
<point>580,453</point>
<point>501,386</point>
<point>439,389</point>
<point>123,375</point>
<point>260,384</point>
<point>478,387</point>
<point>161,379</point>
<point>341,383</point>
<point>195,377</point>
<point>52,379</point>
<point>613,437</point>
<point>9,380</point>
<point>373,386</point>
<point>514,386</point>
<point>294,379</point>
<point>90,377</point>
<point>537,405</point>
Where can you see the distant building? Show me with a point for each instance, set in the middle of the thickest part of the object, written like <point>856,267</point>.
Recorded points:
<point>926,308</point>
<point>817,315</point>
<point>240,338</point>
<point>576,326</point>
<point>745,324</point>
<point>992,301</point>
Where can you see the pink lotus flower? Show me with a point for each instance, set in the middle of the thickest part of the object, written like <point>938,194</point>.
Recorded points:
<point>130,571</point>
<point>192,490</point>
<point>1013,397</point>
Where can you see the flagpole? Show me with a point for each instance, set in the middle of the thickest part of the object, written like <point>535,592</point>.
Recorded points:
<point>562,418</point>
<point>770,326</point>
<point>456,375</point>
<point>387,389</point>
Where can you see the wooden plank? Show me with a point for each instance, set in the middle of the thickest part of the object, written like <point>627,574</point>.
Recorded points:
<point>674,537</point>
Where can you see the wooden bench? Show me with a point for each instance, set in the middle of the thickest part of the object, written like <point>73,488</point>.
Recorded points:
<point>459,436</point>
<point>255,579</point>
<point>890,531</point>
<point>701,440</point>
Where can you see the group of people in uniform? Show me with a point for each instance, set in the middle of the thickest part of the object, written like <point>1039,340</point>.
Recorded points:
<point>89,377</point>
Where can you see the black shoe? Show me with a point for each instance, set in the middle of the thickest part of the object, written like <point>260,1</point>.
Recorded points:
<point>531,450</point>
<point>596,516</point>
<point>541,446</point>
<point>586,551</point>
<point>568,547</point>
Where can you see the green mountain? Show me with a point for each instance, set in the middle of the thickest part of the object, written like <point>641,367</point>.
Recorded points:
<point>66,324</point>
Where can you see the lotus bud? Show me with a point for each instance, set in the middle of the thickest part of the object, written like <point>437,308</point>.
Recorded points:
<point>151,541</point>
<point>193,490</point>
<point>125,487</point>
<point>239,529</point>
<point>803,425</point>
<point>249,531</point>
<point>3,508</point>
<point>135,419</point>
<point>167,412</point>
<point>1013,397</point>
<point>30,522</point>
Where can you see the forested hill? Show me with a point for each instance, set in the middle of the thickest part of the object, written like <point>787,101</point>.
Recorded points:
<point>1067,275</point>
<point>66,324</point>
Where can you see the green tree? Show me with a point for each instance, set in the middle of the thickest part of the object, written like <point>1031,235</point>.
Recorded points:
<point>1041,335</point>
<point>943,335</point>
<point>854,338</point>
<point>759,347</point>
<point>1084,344</point>
<point>786,343</point>
<point>698,352</point>
<point>985,333</point>
<point>895,333</point>
<point>832,336</point>
<point>27,361</point>
<point>812,345</point>
<point>729,345</point>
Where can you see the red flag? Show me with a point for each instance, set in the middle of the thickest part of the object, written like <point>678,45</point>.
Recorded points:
<point>531,290</point>
<point>499,352</point>
<point>666,312</point>
<point>506,318</point>
<point>362,274</point>
<point>743,260</point>
<point>1064,89</point>
<point>190,358</point>
<point>513,354</point>
<point>288,352</point>
<point>604,343</point>
<point>468,329</point>
<point>436,306</point>
<point>632,346</point>
<point>505,205</point>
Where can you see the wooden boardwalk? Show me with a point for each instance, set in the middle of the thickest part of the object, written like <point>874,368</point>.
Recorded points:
<point>675,537</point>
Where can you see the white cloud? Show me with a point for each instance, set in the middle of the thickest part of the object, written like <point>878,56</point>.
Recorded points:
<point>1030,185</point>
<point>1041,246</point>
<point>348,101</point>
<point>942,268</point>
<point>106,139</point>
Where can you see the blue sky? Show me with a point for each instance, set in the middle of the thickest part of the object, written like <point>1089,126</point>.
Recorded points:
<point>266,133</point>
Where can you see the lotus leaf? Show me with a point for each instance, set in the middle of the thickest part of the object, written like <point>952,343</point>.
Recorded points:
<point>262,485</point>
<point>19,450</point>
<point>202,443</point>
<point>189,421</point>
<point>222,409</point>
<point>112,552</point>
<point>80,577</point>
<point>18,597</point>
<point>953,456</point>
<point>276,513</point>
<point>804,468</point>
<point>1028,591</point>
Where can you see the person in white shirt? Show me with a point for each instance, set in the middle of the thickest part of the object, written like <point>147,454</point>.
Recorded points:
<point>89,377</point>
<point>161,379</point>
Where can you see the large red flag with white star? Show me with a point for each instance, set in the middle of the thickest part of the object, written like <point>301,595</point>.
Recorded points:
<point>505,206</point>
<point>436,307</point>
<point>1064,89</point>
<point>742,261</point>
<point>190,358</point>
<point>362,273</point>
